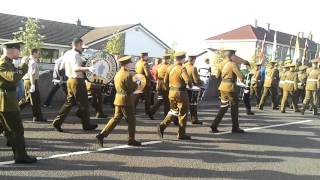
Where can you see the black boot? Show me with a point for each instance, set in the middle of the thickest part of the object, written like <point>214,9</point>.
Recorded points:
<point>99,138</point>
<point>217,120</point>
<point>303,109</point>
<point>57,126</point>
<point>160,131</point>
<point>235,122</point>
<point>90,127</point>
<point>134,143</point>
<point>182,134</point>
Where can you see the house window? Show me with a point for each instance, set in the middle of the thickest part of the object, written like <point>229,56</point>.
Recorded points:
<point>49,55</point>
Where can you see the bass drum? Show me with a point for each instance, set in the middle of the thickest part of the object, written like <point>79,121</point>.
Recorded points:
<point>105,67</point>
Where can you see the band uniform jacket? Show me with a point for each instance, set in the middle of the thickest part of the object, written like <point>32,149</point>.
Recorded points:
<point>124,88</point>
<point>291,81</point>
<point>177,79</point>
<point>313,80</point>
<point>229,72</point>
<point>9,78</point>
<point>193,74</point>
<point>142,67</point>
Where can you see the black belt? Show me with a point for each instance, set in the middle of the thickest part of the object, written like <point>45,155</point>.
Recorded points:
<point>178,88</point>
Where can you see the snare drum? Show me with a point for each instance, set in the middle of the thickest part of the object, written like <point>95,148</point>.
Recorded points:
<point>195,94</point>
<point>108,89</point>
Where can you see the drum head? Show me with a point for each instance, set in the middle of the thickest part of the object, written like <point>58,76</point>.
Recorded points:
<point>142,85</point>
<point>105,68</point>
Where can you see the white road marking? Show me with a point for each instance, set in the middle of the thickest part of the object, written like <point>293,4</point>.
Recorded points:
<point>266,127</point>
<point>147,143</point>
<point>85,152</point>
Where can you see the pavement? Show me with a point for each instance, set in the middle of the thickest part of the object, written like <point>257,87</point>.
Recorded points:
<point>276,146</point>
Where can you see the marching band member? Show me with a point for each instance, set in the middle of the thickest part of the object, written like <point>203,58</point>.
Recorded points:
<point>196,81</point>
<point>290,88</point>
<point>77,91</point>
<point>312,88</point>
<point>177,80</point>
<point>302,80</point>
<point>9,110</point>
<point>59,81</point>
<point>162,89</point>
<point>142,67</point>
<point>229,72</point>
<point>255,86</point>
<point>270,86</point>
<point>124,107</point>
<point>31,88</point>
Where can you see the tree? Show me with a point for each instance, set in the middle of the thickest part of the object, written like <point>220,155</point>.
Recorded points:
<point>30,36</point>
<point>217,59</point>
<point>115,45</point>
<point>171,52</point>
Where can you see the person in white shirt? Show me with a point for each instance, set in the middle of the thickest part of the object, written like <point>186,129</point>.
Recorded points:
<point>59,80</point>
<point>31,89</point>
<point>77,92</point>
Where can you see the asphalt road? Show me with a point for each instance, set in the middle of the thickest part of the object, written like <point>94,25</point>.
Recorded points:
<point>276,146</point>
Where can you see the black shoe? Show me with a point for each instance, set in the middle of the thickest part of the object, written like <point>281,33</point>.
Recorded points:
<point>275,108</point>
<point>176,122</point>
<point>26,160</point>
<point>261,108</point>
<point>90,127</point>
<point>78,114</point>
<point>102,116</point>
<point>298,110</point>
<point>99,140</point>
<point>302,112</point>
<point>56,126</point>
<point>196,122</point>
<point>150,116</point>
<point>160,132</point>
<point>214,129</point>
<point>134,143</point>
<point>250,113</point>
<point>184,137</point>
<point>238,130</point>
<point>9,144</point>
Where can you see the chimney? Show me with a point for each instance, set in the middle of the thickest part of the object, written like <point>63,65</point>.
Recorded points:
<point>268,26</point>
<point>78,22</point>
<point>255,23</point>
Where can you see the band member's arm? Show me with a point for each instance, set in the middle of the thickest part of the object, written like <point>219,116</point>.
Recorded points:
<point>186,78</point>
<point>237,72</point>
<point>196,77</point>
<point>130,84</point>
<point>166,79</point>
<point>79,62</point>
<point>295,81</point>
<point>13,76</point>
<point>146,70</point>
<point>32,75</point>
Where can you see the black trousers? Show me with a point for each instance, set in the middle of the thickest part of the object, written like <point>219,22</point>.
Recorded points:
<point>53,91</point>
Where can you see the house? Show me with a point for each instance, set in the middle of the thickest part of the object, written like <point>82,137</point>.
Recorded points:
<point>137,39</point>
<point>57,36</point>
<point>248,39</point>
